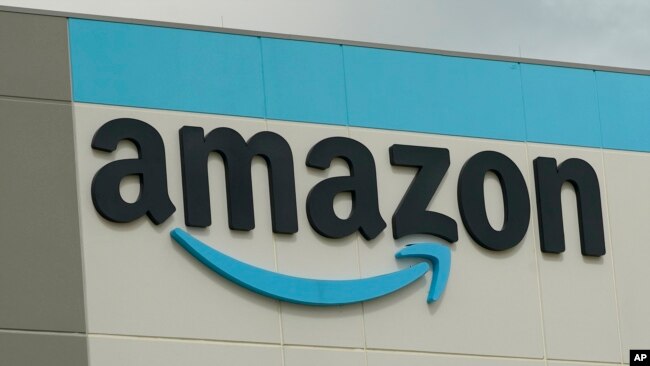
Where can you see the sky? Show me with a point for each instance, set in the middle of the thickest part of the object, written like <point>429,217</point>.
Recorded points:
<point>593,32</point>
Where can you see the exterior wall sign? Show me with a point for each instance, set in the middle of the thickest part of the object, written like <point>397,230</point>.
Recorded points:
<point>410,217</point>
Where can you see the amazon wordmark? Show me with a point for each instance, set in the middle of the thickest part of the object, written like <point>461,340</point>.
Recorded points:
<point>410,217</point>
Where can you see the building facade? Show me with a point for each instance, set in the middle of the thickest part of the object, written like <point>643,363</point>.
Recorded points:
<point>534,177</point>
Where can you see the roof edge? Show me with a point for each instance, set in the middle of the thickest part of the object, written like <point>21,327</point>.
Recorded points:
<point>386,46</point>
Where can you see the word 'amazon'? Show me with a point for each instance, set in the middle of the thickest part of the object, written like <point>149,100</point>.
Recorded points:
<point>410,216</point>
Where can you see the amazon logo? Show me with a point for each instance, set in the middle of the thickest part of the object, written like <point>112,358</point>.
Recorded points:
<point>410,216</point>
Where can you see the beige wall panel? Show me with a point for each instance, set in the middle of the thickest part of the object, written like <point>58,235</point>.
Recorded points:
<point>131,351</point>
<point>139,281</point>
<point>578,302</point>
<point>323,357</point>
<point>308,254</point>
<point>628,190</point>
<point>421,359</point>
<point>491,304</point>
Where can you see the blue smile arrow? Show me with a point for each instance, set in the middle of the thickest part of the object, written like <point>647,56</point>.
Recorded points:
<point>309,291</point>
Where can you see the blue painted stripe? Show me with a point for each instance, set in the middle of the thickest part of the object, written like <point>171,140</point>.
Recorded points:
<point>163,68</point>
<point>561,105</point>
<point>304,81</point>
<point>208,72</point>
<point>624,102</point>
<point>436,94</point>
